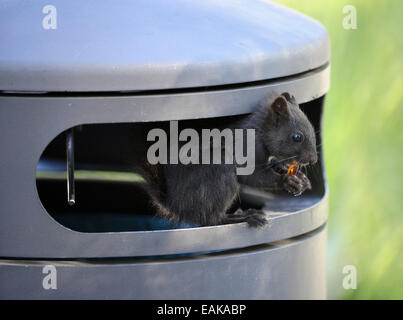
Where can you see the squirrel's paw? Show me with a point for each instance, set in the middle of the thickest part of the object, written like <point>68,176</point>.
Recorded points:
<point>296,184</point>
<point>255,218</point>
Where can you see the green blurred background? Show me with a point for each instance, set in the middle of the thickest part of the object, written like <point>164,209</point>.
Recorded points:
<point>363,145</point>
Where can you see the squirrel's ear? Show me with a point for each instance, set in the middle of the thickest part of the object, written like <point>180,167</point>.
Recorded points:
<point>289,98</point>
<point>279,109</point>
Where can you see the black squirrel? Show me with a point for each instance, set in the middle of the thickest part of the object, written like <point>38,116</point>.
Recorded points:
<point>203,194</point>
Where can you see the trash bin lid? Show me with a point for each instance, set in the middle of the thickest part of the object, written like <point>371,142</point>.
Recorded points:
<point>126,45</point>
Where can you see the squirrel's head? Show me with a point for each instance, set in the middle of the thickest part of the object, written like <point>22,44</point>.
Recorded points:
<point>290,135</point>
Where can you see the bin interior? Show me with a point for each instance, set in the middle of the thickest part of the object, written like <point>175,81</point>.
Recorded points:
<point>110,195</point>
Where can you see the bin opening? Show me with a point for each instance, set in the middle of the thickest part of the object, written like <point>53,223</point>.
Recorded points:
<point>110,195</point>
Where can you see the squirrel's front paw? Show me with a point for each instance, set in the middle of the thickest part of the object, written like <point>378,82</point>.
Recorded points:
<point>296,184</point>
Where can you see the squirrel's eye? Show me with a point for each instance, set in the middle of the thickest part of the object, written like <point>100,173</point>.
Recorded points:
<point>298,137</point>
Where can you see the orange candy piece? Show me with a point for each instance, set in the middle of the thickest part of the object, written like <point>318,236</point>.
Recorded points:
<point>293,168</point>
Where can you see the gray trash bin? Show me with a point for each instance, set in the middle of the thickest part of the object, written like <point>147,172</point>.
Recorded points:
<point>110,63</point>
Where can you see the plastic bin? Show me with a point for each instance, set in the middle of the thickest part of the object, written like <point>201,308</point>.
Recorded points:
<point>127,62</point>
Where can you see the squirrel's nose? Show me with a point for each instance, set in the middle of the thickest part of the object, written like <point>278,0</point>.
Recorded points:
<point>313,159</point>
<point>309,158</point>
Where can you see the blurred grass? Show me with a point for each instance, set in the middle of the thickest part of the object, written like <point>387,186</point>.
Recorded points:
<point>363,145</point>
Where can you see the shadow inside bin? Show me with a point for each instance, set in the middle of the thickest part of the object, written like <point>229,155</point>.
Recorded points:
<point>103,207</point>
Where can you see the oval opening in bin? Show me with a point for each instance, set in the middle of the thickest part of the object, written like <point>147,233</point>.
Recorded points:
<point>110,196</point>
